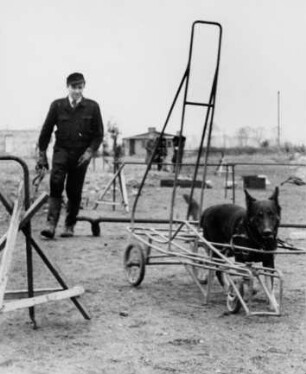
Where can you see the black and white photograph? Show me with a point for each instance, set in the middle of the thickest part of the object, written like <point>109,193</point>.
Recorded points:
<point>153,187</point>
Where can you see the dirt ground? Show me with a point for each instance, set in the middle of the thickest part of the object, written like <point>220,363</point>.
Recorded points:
<point>162,326</point>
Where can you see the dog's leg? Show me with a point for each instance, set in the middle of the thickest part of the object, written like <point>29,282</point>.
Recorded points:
<point>221,276</point>
<point>272,299</point>
<point>202,274</point>
<point>269,281</point>
<point>224,282</point>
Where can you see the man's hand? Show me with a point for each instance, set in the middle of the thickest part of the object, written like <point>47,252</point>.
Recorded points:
<point>85,158</point>
<point>42,162</point>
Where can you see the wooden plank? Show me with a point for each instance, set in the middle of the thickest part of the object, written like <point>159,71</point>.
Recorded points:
<point>108,186</point>
<point>184,183</point>
<point>14,294</point>
<point>107,202</point>
<point>254,182</point>
<point>124,192</point>
<point>55,296</point>
<point>8,204</point>
<point>10,243</point>
<point>3,241</point>
<point>28,215</point>
<point>38,203</point>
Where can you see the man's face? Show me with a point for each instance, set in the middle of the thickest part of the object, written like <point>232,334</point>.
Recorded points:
<point>75,91</point>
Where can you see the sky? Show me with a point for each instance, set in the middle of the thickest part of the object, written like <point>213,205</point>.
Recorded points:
<point>133,54</point>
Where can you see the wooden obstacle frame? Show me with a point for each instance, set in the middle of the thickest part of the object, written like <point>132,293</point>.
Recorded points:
<point>21,214</point>
<point>118,175</point>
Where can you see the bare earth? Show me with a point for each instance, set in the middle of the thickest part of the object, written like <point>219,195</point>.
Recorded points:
<point>162,326</point>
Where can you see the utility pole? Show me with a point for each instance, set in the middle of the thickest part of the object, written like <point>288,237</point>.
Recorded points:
<point>278,119</point>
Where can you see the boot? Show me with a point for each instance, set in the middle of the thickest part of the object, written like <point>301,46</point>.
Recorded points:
<point>49,230</point>
<point>52,217</point>
<point>68,231</point>
<point>72,210</point>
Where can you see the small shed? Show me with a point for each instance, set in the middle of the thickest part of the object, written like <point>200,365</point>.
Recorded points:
<point>136,145</point>
<point>20,143</point>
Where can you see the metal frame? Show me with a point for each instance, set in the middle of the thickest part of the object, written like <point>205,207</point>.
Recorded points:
<point>180,254</point>
<point>173,241</point>
<point>118,173</point>
<point>230,168</point>
<point>233,165</point>
<point>31,295</point>
<point>207,123</point>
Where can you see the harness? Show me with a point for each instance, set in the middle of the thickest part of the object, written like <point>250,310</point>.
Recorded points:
<point>40,174</point>
<point>244,236</point>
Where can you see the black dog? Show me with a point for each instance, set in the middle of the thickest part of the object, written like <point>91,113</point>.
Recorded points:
<point>254,227</point>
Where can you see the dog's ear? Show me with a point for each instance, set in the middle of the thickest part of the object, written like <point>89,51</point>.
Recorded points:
<point>274,197</point>
<point>249,199</point>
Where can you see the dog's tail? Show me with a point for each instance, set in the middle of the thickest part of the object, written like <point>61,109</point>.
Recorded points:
<point>193,208</point>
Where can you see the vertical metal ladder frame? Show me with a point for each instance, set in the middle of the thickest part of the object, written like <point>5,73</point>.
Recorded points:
<point>208,123</point>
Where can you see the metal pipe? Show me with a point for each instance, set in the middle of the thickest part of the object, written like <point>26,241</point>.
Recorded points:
<point>234,187</point>
<point>155,149</point>
<point>210,106</point>
<point>27,229</point>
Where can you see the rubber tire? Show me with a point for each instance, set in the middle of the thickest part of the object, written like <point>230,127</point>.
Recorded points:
<point>198,271</point>
<point>233,304</point>
<point>126,258</point>
<point>95,229</point>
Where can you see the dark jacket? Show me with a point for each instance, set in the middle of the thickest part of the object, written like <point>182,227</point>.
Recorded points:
<point>81,127</point>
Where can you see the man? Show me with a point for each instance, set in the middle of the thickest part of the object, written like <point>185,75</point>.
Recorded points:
<point>178,142</point>
<point>161,152</point>
<point>150,143</point>
<point>79,133</point>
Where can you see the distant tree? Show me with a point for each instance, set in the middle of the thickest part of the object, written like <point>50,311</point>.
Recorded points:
<point>288,147</point>
<point>258,134</point>
<point>243,135</point>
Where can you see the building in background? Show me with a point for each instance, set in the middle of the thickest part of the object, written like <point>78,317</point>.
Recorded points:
<point>21,143</point>
<point>136,145</point>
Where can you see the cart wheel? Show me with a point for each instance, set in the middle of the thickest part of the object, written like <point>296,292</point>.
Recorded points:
<point>232,301</point>
<point>95,229</point>
<point>134,264</point>
<point>201,273</point>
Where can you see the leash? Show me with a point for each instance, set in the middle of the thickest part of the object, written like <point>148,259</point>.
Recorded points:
<point>286,245</point>
<point>40,174</point>
<point>258,240</point>
<point>244,232</point>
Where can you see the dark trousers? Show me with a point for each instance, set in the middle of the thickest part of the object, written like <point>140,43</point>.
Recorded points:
<point>65,170</point>
<point>177,158</point>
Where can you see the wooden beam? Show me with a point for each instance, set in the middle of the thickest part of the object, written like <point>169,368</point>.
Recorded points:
<point>3,241</point>
<point>107,202</point>
<point>55,296</point>
<point>10,243</point>
<point>124,191</point>
<point>14,294</point>
<point>6,201</point>
<point>28,215</point>
<point>38,203</point>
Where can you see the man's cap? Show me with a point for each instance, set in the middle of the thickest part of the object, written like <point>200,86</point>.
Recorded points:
<point>75,78</point>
